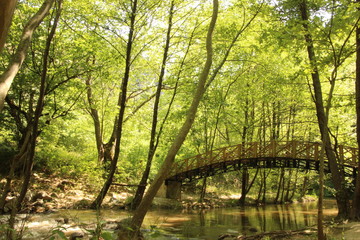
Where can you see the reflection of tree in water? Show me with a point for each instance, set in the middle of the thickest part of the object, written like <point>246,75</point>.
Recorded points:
<point>295,218</point>
<point>306,217</point>
<point>244,221</point>
<point>290,223</point>
<point>276,218</point>
<point>283,217</point>
<point>260,215</point>
<point>210,223</point>
<point>202,222</point>
<point>264,219</point>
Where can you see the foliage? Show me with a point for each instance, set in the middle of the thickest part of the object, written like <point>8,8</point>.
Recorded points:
<point>261,93</point>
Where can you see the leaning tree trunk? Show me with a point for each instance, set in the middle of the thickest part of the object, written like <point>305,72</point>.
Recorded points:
<point>336,174</point>
<point>7,8</point>
<point>8,76</point>
<point>122,104</point>
<point>141,211</point>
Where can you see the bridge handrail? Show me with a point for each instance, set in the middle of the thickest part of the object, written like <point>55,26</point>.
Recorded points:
<point>284,149</point>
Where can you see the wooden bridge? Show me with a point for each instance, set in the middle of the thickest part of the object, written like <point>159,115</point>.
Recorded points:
<point>273,154</point>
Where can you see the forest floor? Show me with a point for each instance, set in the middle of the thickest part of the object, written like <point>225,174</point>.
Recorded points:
<point>49,192</point>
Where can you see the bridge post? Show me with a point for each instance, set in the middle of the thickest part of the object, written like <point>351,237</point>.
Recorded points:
<point>173,190</point>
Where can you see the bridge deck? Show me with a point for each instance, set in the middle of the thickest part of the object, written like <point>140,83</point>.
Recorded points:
<point>268,154</point>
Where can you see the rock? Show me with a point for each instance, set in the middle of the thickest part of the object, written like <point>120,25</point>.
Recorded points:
<point>64,220</point>
<point>76,235</point>
<point>41,195</point>
<point>9,205</point>
<point>65,183</point>
<point>54,195</point>
<point>29,195</point>
<point>83,203</point>
<point>166,203</point>
<point>39,209</point>
<point>48,207</point>
<point>252,229</point>
<point>38,203</point>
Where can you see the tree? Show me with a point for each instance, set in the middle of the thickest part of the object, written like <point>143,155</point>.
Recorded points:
<point>8,76</point>
<point>153,139</point>
<point>7,8</point>
<point>337,175</point>
<point>118,126</point>
<point>141,211</point>
<point>33,129</point>
<point>355,211</point>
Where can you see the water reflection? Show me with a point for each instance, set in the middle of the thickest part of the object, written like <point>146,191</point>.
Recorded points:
<point>205,224</point>
<point>249,220</point>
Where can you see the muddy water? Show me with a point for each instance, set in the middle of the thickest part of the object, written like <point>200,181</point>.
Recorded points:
<point>207,224</point>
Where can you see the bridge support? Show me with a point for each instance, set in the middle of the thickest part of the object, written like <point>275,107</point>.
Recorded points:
<point>173,190</point>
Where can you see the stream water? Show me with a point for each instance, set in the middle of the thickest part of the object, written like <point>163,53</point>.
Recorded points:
<point>206,224</point>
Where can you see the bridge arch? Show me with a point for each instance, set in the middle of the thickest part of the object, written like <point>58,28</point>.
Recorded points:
<point>272,154</point>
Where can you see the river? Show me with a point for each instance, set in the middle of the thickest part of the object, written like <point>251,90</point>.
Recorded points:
<point>205,224</point>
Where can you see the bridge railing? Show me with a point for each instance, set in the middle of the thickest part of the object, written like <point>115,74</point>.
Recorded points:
<point>255,150</point>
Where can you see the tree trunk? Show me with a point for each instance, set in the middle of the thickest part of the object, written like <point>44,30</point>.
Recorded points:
<point>336,174</point>
<point>286,198</point>
<point>7,8</point>
<point>97,124</point>
<point>122,104</point>
<point>203,190</point>
<point>34,126</point>
<point>261,187</point>
<point>355,211</point>
<point>152,145</point>
<point>141,211</point>
<point>294,186</point>
<point>304,185</point>
<point>244,183</point>
<point>321,235</point>
<point>263,200</point>
<point>283,188</point>
<point>17,160</point>
<point>281,182</point>
<point>8,76</point>
<point>247,187</point>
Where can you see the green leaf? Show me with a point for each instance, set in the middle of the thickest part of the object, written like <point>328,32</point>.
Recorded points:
<point>60,233</point>
<point>107,236</point>
<point>155,234</point>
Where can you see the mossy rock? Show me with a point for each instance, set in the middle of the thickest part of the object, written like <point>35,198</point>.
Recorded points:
<point>83,204</point>
<point>166,203</point>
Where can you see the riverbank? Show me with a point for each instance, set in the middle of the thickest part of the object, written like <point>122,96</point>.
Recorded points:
<point>271,221</point>
<point>62,199</point>
<point>48,193</point>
